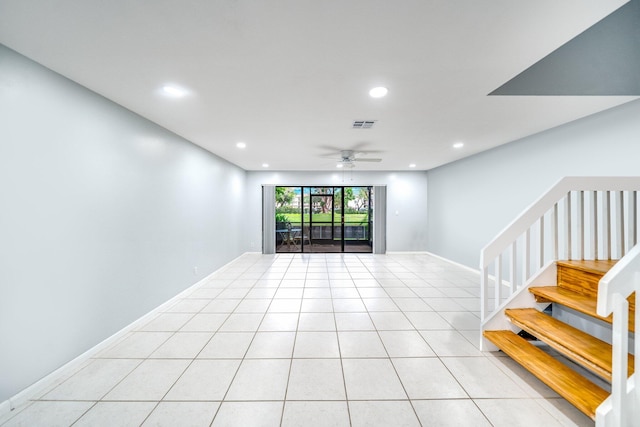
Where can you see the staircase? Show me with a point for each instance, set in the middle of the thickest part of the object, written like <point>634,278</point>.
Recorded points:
<point>576,288</point>
<point>577,219</point>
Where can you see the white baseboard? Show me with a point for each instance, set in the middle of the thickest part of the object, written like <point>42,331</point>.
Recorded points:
<point>457,264</point>
<point>35,390</point>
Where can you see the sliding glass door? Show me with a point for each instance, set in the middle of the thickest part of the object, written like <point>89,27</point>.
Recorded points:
<point>323,219</point>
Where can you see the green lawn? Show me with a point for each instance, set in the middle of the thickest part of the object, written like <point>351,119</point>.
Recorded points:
<point>360,218</point>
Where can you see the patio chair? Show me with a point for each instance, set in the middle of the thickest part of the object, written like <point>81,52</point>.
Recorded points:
<point>304,237</point>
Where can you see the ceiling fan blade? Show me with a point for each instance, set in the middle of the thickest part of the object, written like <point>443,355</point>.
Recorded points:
<point>367,160</point>
<point>330,148</point>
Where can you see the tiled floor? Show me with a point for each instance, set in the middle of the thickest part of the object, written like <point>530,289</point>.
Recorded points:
<point>309,340</point>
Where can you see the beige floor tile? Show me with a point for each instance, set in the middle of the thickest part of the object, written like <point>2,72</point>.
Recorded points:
<point>316,379</point>
<point>371,379</point>
<point>316,322</point>
<point>221,306</point>
<point>194,414</point>
<point>316,305</point>
<point>94,381</point>
<point>242,322</point>
<point>116,414</point>
<point>380,304</point>
<point>285,305</point>
<point>167,322</point>
<point>405,344</point>
<point>380,413</point>
<point>354,322</point>
<point>279,322</point>
<point>349,305</point>
<point>391,321</point>
<point>260,379</point>
<point>225,345</point>
<point>482,379</point>
<point>271,345</point>
<point>361,344</point>
<point>189,305</point>
<point>450,343</point>
<point>235,414</point>
<point>136,345</point>
<point>182,345</point>
<point>205,322</point>
<point>427,378</point>
<point>422,320</point>
<point>51,414</point>
<point>520,412</point>
<point>316,345</point>
<point>149,381</point>
<point>317,414</point>
<point>253,306</point>
<point>462,320</point>
<point>450,413</point>
<point>204,380</point>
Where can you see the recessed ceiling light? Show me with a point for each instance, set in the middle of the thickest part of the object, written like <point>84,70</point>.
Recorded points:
<point>174,91</point>
<point>265,165</point>
<point>339,165</point>
<point>412,165</point>
<point>378,92</point>
<point>458,145</point>
<point>241,145</point>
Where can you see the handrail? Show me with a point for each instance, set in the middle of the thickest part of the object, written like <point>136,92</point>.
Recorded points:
<point>577,213</point>
<point>613,290</point>
<point>546,201</point>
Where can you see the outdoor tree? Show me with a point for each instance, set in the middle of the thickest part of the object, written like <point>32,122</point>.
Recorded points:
<point>284,196</point>
<point>325,203</point>
<point>361,200</point>
<point>348,196</point>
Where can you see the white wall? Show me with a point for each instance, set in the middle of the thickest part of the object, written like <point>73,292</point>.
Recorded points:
<point>103,216</point>
<point>406,195</point>
<point>472,200</point>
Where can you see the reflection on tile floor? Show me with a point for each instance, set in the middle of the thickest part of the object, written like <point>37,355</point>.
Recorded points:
<point>308,340</point>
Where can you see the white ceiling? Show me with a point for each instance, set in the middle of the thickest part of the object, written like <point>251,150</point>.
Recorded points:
<point>288,77</point>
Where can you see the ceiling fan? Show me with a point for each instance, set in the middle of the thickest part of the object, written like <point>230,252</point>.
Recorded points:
<point>349,157</point>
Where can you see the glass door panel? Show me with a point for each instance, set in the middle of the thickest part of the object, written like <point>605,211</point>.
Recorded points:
<point>357,219</point>
<point>321,219</point>
<point>288,219</point>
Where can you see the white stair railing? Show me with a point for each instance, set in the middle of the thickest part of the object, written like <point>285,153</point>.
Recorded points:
<point>577,218</point>
<point>622,407</point>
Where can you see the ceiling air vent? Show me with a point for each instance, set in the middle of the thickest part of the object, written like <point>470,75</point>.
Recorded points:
<point>363,124</point>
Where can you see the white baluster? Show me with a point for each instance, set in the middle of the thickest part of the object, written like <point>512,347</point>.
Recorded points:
<point>513,285</point>
<point>580,223</point>
<point>606,228</point>
<point>498,276</point>
<point>484,293</point>
<point>593,208</point>
<point>541,242</point>
<point>554,230</point>
<point>526,256</point>
<point>567,227</point>
<point>619,224</point>
<point>632,220</point>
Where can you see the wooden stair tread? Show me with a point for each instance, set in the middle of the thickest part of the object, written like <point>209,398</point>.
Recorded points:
<point>583,303</point>
<point>582,276</point>
<point>579,391</point>
<point>586,350</point>
<point>591,266</point>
